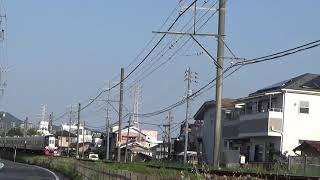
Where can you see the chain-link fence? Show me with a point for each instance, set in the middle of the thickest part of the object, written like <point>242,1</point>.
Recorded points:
<point>304,165</point>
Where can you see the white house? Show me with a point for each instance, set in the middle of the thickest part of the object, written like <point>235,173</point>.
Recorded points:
<point>43,127</point>
<point>84,134</point>
<point>151,138</point>
<point>276,118</point>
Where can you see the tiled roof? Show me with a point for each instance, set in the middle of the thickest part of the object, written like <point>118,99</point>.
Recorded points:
<point>313,144</point>
<point>306,82</point>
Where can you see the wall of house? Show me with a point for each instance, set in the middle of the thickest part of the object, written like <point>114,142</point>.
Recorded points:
<point>299,126</point>
<point>208,135</point>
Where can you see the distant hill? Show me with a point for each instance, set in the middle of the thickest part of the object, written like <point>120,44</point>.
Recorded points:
<point>9,121</point>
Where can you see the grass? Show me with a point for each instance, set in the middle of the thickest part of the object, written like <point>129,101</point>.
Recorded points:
<point>63,165</point>
<point>164,170</point>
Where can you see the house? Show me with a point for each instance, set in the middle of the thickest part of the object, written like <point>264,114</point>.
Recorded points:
<point>85,134</point>
<point>151,138</point>
<point>309,148</point>
<point>205,117</point>
<point>135,151</point>
<point>63,141</point>
<point>272,120</point>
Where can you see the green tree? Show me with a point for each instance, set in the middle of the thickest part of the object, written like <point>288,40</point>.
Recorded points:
<point>15,132</point>
<point>32,132</point>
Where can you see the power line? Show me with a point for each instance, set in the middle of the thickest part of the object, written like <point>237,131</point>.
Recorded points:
<point>240,65</point>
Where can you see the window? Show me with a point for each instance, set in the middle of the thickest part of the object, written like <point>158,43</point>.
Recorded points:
<point>304,107</point>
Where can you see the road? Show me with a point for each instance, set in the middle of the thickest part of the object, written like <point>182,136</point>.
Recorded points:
<point>18,171</point>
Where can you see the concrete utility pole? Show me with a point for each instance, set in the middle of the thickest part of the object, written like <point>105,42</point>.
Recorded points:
<point>170,118</point>
<point>219,83</point>
<point>25,127</point>
<point>120,114</point>
<point>188,79</point>
<point>84,125</point>
<point>127,141</point>
<point>107,137</point>
<point>107,126</point>
<point>50,122</point>
<point>78,130</point>
<point>69,139</point>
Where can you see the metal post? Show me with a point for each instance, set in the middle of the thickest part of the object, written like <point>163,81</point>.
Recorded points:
<point>69,138</point>
<point>78,131</point>
<point>219,84</point>
<point>187,117</point>
<point>120,114</point>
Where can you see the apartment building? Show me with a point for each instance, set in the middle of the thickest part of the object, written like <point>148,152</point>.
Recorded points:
<point>273,119</point>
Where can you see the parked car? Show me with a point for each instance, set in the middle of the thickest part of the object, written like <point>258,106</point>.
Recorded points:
<point>94,157</point>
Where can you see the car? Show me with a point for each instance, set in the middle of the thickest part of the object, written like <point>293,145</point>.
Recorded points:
<point>94,157</point>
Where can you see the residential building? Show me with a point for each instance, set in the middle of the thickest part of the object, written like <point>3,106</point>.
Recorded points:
<point>273,119</point>
<point>151,138</point>
<point>43,127</point>
<point>62,139</point>
<point>84,133</point>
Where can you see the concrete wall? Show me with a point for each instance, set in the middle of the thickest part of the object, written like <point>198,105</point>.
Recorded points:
<point>208,135</point>
<point>299,126</point>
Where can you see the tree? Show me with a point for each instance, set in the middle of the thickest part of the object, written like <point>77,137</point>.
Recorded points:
<point>32,132</point>
<point>15,132</point>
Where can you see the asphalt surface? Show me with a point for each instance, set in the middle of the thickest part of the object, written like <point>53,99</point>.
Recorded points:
<point>18,171</point>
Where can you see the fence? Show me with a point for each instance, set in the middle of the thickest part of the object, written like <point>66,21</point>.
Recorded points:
<point>304,165</point>
<point>89,172</point>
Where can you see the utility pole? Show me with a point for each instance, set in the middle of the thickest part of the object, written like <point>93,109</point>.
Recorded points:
<point>120,114</point>
<point>78,131</point>
<point>25,127</point>
<point>126,152</point>
<point>50,122</point>
<point>107,126</point>
<point>219,83</point>
<point>83,133</point>
<point>69,139</point>
<point>170,118</point>
<point>107,137</point>
<point>186,132</point>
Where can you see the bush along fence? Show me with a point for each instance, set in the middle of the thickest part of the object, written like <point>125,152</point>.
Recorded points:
<point>304,165</point>
<point>86,170</point>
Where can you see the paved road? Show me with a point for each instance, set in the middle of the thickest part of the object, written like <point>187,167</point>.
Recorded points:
<point>18,171</point>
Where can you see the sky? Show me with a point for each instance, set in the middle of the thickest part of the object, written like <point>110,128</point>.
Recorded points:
<point>64,52</point>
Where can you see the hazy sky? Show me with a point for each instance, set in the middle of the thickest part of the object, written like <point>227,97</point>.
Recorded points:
<point>63,52</point>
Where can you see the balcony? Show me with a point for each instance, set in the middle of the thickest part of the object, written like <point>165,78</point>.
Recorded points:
<point>267,123</point>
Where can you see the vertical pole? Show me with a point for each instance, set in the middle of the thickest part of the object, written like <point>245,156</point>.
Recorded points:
<point>78,130</point>
<point>120,114</point>
<point>219,84</point>
<point>187,117</point>
<point>50,122</point>
<point>126,152</point>
<point>108,126</point>
<point>83,133</point>
<point>108,137</point>
<point>69,139</point>
<point>169,134</point>
<point>25,127</point>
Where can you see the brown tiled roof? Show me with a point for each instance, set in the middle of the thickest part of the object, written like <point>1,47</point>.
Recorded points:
<point>313,144</point>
